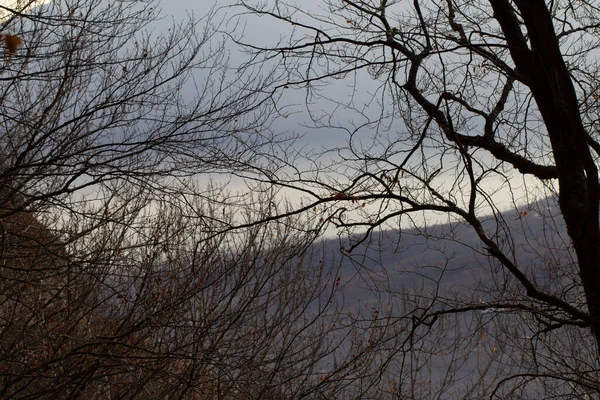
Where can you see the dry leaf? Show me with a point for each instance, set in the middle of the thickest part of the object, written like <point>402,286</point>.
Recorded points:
<point>12,43</point>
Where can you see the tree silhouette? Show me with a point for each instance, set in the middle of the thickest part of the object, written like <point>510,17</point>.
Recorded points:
<point>448,106</point>
<point>115,279</point>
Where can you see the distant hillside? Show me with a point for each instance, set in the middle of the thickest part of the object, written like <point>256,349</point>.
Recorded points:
<point>395,276</point>
<point>451,254</point>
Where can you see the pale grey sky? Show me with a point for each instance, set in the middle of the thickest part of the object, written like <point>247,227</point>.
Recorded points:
<point>361,88</point>
<point>264,31</point>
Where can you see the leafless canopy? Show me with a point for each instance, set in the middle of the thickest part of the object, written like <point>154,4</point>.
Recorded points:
<point>115,279</point>
<point>448,106</point>
<point>126,272</point>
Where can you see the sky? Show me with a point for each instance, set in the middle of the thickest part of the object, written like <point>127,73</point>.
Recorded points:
<point>21,5</point>
<point>264,31</point>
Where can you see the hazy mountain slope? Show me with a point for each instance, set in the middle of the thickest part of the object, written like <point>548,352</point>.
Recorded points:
<point>446,264</point>
<point>453,254</point>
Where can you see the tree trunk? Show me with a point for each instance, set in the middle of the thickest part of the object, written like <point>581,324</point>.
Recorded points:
<point>545,72</point>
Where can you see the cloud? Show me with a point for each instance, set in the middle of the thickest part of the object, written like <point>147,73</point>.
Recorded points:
<point>9,7</point>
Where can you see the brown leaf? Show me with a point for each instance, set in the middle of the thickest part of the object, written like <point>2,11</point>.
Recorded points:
<point>12,43</point>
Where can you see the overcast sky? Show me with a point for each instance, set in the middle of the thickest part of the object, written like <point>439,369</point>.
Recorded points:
<point>266,31</point>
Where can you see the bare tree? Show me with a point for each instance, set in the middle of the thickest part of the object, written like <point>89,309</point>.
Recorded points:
<point>121,275</point>
<point>158,306</point>
<point>93,95</point>
<point>124,276</point>
<point>447,107</point>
